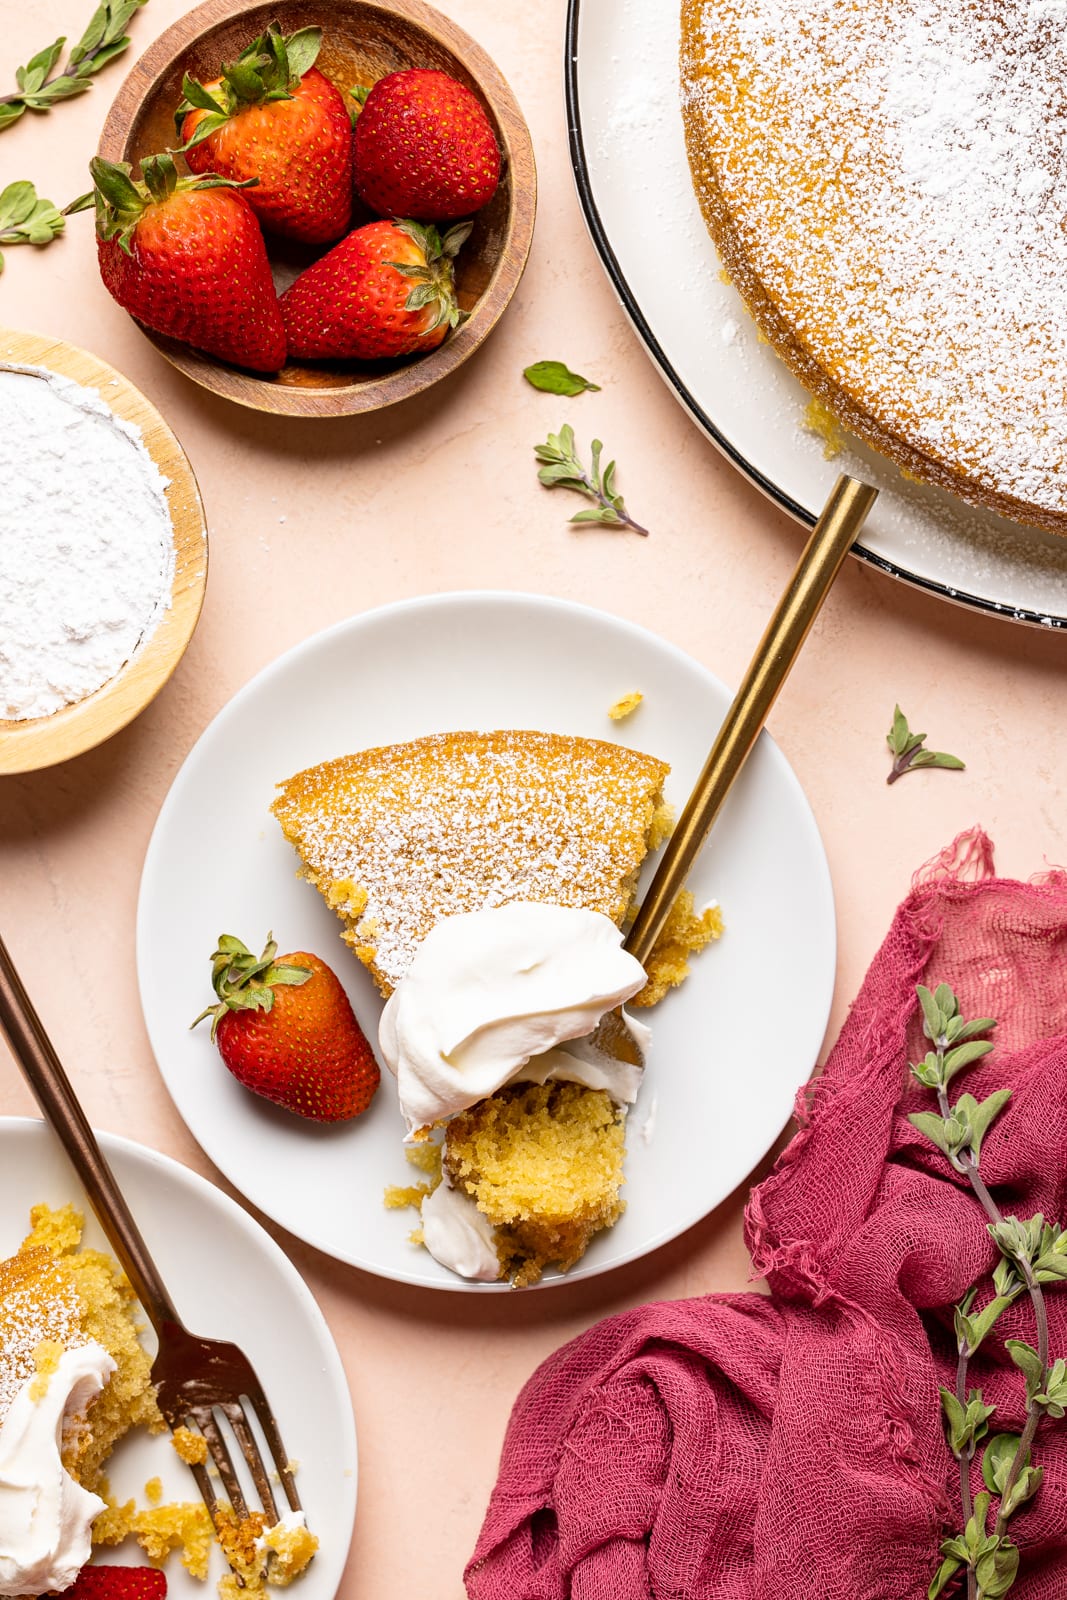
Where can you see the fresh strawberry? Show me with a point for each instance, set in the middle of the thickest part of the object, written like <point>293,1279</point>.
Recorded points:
<point>424,148</point>
<point>273,117</point>
<point>117,1583</point>
<point>387,290</point>
<point>185,257</point>
<point>286,1030</point>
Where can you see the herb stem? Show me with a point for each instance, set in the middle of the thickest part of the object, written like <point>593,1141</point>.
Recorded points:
<point>1037,1300</point>
<point>602,499</point>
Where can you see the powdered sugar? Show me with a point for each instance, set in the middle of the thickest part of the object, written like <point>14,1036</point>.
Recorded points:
<point>86,543</point>
<point>906,211</point>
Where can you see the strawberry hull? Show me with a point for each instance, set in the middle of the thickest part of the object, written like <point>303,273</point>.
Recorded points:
<point>196,269</point>
<point>298,151</point>
<point>353,305</point>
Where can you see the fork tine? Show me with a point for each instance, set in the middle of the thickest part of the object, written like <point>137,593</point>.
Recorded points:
<point>274,1439</point>
<point>247,1440</point>
<point>204,1418</point>
<point>206,1487</point>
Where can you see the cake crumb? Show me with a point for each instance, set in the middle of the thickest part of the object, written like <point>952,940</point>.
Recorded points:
<point>820,420</point>
<point>185,1527</point>
<point>685,933</point>
<point>46,1358</point>
<point>192,1447</point>
<point>153,1491</point>
<point>626,706</point>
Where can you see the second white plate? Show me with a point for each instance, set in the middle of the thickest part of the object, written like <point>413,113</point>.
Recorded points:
<point>730,1046</point>
<point>230,1281</point>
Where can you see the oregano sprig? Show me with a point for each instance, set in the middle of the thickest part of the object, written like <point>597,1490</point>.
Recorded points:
<point>40,87</point>
<point>562,469</point>
<point>908,751</point>
<point>27,219</point>
<point>1032,1252</point>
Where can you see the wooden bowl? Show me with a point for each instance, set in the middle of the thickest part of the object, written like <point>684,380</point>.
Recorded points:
<point>362,41</point>
<point>42,741</point>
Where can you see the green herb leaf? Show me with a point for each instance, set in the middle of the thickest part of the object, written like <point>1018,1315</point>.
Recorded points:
<point>996,1570</point>
<point>946,1571</point>
<point>907,750</point>
<point>563,470</point>
<point>933,1127</point>
<point>37,90</point>
<point>964,1054</point>
<point>1028,1362</point>
<point>302,49</point>
<point>997,1460</point>
<point>554,377</point>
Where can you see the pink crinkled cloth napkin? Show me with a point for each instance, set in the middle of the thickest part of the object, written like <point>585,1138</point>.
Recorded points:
<point>741,1447</point>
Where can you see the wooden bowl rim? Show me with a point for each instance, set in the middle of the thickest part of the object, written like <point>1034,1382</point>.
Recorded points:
<point>261,394</point>
<point>27,746</point>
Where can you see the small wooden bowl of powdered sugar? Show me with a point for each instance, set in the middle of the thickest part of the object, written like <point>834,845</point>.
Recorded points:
<point>103,552</point>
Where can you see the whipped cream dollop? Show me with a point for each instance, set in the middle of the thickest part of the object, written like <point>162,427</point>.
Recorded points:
<point>489,990</point>
<point>458,1235</point>
<point>45,1517</point>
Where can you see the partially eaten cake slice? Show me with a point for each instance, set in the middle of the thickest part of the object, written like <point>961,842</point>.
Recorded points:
<point>403,839</point>
<point>73,1380</point>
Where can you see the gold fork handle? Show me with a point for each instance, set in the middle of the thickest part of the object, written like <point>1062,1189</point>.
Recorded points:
<point>832,537</point>
<point>35,1054</point>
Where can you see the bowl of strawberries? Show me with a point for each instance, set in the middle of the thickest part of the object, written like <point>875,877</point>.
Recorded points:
<point>314,209</point>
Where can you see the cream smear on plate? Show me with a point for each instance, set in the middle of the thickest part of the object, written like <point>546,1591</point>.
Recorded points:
<point>86,542</point>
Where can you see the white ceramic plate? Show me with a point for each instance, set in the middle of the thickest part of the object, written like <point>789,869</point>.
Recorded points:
<point>230,1281</point>
<point>725,1060</point>
<point>630,165</point>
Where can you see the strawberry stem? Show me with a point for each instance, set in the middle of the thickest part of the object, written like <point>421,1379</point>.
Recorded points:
<point>244,982</point>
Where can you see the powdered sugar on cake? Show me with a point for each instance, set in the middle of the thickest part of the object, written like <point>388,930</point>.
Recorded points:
<point>86,543</point>
<point>897,177</point>
<point>400,837</point>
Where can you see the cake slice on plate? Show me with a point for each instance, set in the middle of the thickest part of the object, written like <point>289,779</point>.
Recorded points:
<point>399,837</point>
<point>403,839</point>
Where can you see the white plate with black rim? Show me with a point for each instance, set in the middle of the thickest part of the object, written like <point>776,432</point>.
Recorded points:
<point>229,1280</point>
<point>730,1047</point>
<point>630,166</point>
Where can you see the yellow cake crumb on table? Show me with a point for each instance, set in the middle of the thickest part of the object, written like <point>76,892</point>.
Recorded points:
<point>685,933</point>
<point>625,706</point>
<point>153,1491</point>
<point>190,1446</point>
<point>544,1164</point>
<point>820,420</point>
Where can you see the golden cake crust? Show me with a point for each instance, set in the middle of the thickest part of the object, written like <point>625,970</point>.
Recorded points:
<point>886,185</point>
<point>398,837</point>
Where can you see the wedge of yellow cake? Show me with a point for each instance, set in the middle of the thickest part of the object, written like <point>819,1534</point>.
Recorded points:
<point>398,838</point>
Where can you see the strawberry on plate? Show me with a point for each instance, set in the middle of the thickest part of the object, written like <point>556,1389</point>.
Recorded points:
<point>272,116</point>
<point>424,147</point>
<point>286,1030</point>
<point>387,290</point>
<point>186,257</point>
<point>117,1583</point>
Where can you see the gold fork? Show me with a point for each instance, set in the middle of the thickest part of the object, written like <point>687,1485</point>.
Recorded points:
<point>195,1378</point>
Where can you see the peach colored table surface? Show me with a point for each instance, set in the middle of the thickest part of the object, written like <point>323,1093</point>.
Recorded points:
<point>312,522</point>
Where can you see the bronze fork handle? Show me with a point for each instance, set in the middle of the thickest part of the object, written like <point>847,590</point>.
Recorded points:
<point>830,541</point>
<point>35,1054</point>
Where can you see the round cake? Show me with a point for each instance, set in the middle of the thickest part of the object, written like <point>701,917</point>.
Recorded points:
<point>887,186</point>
